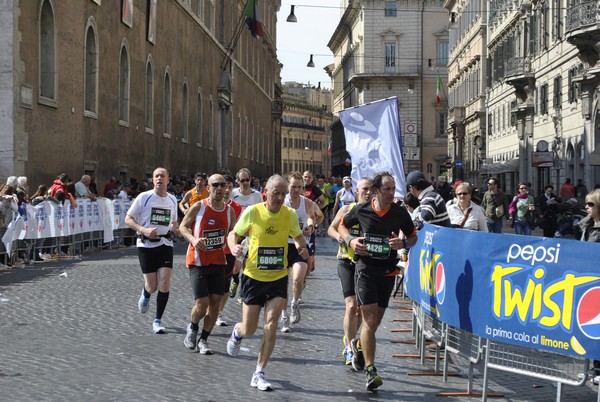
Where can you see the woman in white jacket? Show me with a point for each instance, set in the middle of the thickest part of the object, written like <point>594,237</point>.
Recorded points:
<point>463,212</point>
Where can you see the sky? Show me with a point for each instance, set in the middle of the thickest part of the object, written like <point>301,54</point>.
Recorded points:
<point>317,20</point>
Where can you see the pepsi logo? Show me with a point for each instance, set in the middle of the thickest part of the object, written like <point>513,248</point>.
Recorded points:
<point>588,313</point>
<point>440,283</point>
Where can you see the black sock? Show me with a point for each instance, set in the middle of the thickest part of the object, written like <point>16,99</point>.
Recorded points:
<point>204,335</point>
<point>146,294</point>
<point>161,303</point>
<point>195,327</point>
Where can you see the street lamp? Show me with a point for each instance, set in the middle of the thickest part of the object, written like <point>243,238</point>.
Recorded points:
<point>292,16</point>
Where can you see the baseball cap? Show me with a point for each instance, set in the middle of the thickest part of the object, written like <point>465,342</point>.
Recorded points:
<point>347,178</point>
<point>414,177</point>
<point>202,175</point>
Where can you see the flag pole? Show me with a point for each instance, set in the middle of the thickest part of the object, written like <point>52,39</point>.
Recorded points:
<point>234,38</point>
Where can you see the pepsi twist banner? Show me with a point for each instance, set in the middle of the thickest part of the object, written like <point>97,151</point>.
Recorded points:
<point>374,141</point>
<point>530,291</point>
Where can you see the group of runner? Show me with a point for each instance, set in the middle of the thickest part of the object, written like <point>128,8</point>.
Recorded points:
<point>231,229</point>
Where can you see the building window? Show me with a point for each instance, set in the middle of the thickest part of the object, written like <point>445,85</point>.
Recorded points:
<point>239,136</point>
<point>390,8</point>
<point>442,120</point>
<point>199,119</point>
<point>211,129</point>
<point>200,8</point>
<point>124,84</point>
<point>185,115</point>
<point>572,87</point>
<point>557,100</point>
<point>91,71</point>
<point>47,52</point>
<point>149,103</point>
<point>390,57</point>
<point>442,53</point>
<point>247,138</point>
<point>544,99</point>
<point>167,106</point>
<point>211,16</point>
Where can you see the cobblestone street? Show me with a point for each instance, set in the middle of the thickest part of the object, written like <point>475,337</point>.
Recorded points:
<point>71,331</point>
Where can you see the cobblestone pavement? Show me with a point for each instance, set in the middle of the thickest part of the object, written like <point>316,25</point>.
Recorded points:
<point>79,336</point>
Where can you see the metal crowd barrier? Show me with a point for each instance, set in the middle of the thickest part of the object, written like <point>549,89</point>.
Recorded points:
<point>557,368</point>
<point>554,367</point>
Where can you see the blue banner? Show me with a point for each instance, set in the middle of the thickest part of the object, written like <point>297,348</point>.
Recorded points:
<point>530,291</point>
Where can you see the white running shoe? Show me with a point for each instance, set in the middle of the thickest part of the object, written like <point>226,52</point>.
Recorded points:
<point>190,338</point>
<point>233,344</point>
<point>258,381</point>
<point>284,323</point>
<point>220,321</point>
<point>203,347</point>
<point>143,303</point>
<point>157,327</point>
<point>295,313</point>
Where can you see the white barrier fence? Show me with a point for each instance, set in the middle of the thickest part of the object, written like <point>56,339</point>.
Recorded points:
<point>49,220</point>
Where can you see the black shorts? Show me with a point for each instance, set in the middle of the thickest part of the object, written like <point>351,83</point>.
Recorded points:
<point>258,293</point>
<point>207,280</point>
<point>373,288</point>
<point>229,269</point>
<point>346,270</point>
<point>293,256</point>
<point>151,259</point>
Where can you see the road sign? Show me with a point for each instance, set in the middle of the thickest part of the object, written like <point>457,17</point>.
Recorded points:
<point>458,164</point>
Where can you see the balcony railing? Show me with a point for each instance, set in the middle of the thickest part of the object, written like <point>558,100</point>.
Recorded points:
<point>582,14</point>
<point>516,66</point>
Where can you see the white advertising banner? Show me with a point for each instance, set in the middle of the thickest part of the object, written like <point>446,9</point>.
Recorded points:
<point>374,141</point>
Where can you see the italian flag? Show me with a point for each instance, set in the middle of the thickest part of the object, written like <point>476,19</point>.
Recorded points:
<point>438,91</point>
<point>253,19</point>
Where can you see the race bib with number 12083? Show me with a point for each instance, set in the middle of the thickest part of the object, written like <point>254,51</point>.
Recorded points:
<point>377,246</point>
<point>214,239</point>
<point>270,258</point>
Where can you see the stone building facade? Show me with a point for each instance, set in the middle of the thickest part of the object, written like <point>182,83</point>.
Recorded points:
<point>536,89</point>
<point>393,48</point>
<point>116,88</point>
<point>306,129</point>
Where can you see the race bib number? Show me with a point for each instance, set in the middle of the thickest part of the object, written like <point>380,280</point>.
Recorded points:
<point>270,258</point>
<point>346,202</point>
<point>355,232</point>
<point>161,217</point>
<point>214,239</point>
<point>377,246</point>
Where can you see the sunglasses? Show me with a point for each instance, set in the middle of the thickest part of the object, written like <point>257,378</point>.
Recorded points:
<point>221,184</point>
<point>590,204</point>
<point>244,180</point>
<point>462,193</point>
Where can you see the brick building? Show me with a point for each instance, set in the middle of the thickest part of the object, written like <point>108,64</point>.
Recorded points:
<point>116,88</point>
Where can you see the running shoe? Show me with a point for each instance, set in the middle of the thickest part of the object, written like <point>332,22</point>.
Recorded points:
<point>190,338</point>
<point>233,289</point>
<point>143,303</point>
<point>258,381</point>
<point>220,321</point>
<point>157,327</point>
<point>295,313</point>
<point>373,379</point>
<point>284,323</point>
<point>234,343</point>
<point>358,360</point>
<point>203,347</point>
<point>347,355</point>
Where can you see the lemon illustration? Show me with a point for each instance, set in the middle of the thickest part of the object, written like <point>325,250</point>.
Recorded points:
<point>577,346</point>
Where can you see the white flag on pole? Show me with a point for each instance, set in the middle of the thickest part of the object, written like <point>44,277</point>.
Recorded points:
<point>374,141</point>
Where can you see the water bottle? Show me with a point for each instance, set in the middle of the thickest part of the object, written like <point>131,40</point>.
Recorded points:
<point>244,245</point>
